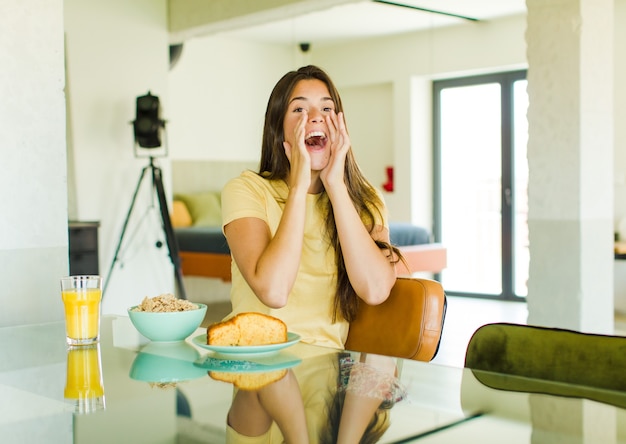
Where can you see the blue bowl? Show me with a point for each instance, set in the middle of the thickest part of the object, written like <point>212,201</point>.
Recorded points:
<point>167,326</point>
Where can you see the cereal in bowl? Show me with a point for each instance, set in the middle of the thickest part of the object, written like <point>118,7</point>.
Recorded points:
<point>165,303</point>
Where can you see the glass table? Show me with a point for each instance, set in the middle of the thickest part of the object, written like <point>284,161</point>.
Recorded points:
<point>181,393</point>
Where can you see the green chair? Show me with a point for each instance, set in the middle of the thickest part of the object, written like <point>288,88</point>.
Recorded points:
<point>549,360</point>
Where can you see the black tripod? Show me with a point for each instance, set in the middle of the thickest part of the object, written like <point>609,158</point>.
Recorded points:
<point>172,245</point>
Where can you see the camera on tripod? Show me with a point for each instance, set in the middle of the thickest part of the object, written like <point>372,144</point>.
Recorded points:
<point>147,130</point>
<point>148,126</point>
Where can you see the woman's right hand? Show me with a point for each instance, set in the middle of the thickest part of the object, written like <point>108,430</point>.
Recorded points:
<point>299,159</point>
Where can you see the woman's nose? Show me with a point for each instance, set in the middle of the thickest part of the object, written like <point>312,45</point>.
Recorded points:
<point>316,116</point>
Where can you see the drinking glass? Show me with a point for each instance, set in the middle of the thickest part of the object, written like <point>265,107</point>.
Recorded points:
<point>82,297</point>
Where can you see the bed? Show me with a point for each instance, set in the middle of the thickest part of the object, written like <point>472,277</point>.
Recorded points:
<point>204,252</point>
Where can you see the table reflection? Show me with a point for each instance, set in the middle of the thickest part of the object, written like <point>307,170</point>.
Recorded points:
<point>367,389</point>
<point>332,398</point>
<point>163,364</point>
<point>84,387</point>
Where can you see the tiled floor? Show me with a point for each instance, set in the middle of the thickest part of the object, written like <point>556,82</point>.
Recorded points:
<point>620,324</point>
<point>464,316</point>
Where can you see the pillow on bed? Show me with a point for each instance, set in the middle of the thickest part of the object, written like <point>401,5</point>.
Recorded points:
<point>180,215</point>
<point>205,208</point>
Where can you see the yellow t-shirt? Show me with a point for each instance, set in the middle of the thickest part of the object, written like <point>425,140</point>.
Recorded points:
<point>310,306</point>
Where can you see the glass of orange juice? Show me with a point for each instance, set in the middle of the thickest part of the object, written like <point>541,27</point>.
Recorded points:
<point>83,386</point>
<point>82,297</point>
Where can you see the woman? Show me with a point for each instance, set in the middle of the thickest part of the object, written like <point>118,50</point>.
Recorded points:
<point>308,233</point>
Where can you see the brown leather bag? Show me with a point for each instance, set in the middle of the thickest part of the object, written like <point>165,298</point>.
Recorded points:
<point>407,325</point>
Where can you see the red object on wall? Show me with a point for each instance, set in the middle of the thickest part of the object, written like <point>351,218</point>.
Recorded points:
<point>388,186</point>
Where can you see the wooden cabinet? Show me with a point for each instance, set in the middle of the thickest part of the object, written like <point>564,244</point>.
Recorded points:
<point>83,248</point>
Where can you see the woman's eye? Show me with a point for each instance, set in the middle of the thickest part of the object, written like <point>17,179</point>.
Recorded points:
<point>328,109</point>
<point>298,109</point>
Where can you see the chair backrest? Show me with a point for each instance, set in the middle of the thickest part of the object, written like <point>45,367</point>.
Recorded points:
<point>407,325</point>
<point>581,363</point>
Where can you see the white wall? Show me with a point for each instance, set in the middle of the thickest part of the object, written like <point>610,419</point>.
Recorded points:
<point>218,94</point>
<point>33,224</point>
<point>371,107</point>
<point>118,50</point>
<point>619,88</point>
<point>211,100</point>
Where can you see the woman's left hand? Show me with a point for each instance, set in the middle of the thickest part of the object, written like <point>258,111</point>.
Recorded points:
<point>333,173</point>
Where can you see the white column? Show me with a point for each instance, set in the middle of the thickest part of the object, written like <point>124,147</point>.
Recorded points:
<point>33,225</point>
<point>570,154</point>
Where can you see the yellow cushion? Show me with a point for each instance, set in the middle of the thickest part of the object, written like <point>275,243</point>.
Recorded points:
<point>180,216</point>
<point>205,208</point>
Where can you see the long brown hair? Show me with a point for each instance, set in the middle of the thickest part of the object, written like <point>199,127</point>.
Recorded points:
<point>275,165</point>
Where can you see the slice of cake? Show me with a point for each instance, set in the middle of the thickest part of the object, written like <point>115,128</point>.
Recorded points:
<point>247,328</point>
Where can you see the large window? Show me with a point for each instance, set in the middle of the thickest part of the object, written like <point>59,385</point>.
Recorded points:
<point>481,176</point>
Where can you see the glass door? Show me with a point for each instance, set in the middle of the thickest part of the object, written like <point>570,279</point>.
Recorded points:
<point>481,175</point>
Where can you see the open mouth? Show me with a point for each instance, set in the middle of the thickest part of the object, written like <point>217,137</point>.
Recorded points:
<point>315,140</point>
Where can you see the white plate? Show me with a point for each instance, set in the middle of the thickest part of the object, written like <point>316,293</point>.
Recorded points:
<point>246,350</point>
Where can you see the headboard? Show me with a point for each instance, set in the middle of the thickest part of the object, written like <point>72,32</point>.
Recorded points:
<point>196,176</point>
